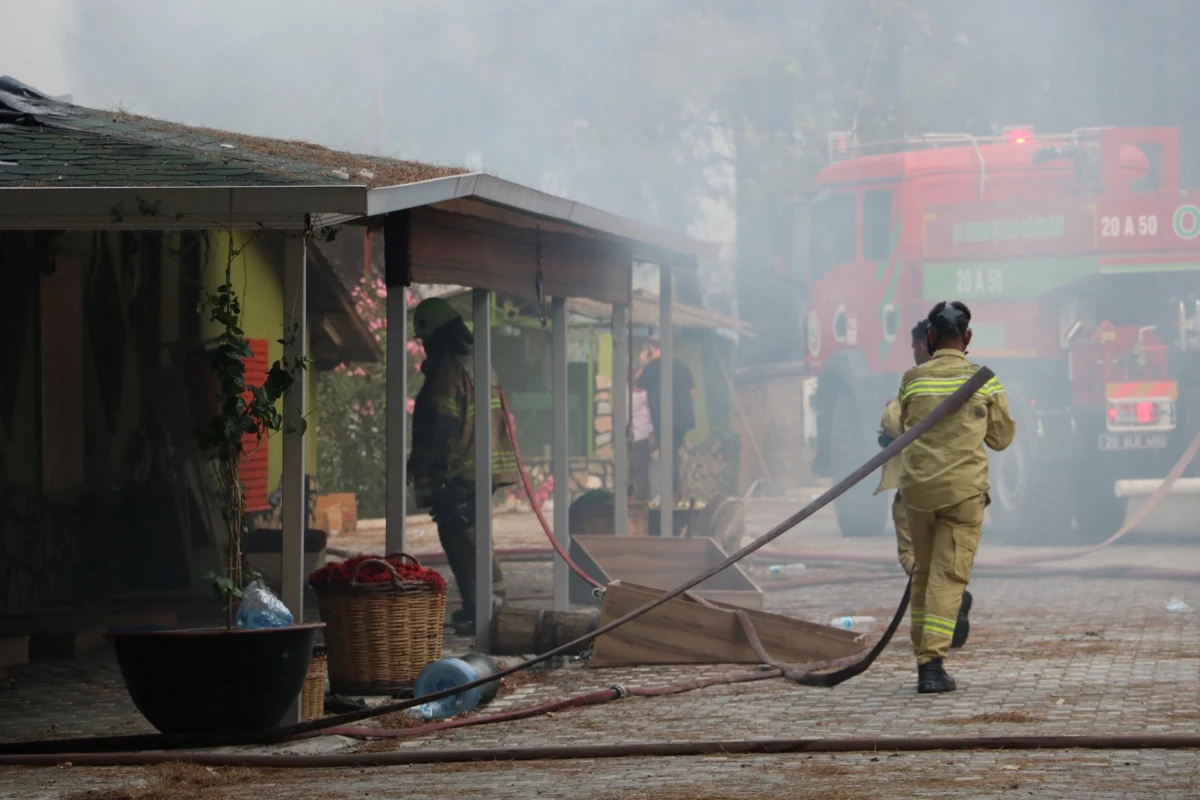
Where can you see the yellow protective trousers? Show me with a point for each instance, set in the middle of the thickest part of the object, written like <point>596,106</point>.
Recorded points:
<point>944,546</point>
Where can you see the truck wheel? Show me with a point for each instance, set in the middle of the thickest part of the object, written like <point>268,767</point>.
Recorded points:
<point>858,511</point>
<point>1031,504</point>
<point>1099,513</point>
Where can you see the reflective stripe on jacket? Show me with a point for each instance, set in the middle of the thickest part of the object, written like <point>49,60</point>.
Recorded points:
<point>949,464</point>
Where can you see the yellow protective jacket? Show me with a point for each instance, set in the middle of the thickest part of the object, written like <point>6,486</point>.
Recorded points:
<point>890,476</point>
<point>949,463</point>
<point>443,442</point>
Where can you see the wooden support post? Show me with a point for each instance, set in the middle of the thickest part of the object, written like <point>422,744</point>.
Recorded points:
<point>620,418</point>
<point>481,301</point>
<point>295,410</point>
<point>562,453</point>
<point>396,460</point>
<point>666,437</point>
<point>62,380</point>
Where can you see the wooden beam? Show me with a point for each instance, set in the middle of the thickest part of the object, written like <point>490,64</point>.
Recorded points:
<point>682,631</point>
<point>397,276</point>
<point>453,248</point>
<point>62,384</point>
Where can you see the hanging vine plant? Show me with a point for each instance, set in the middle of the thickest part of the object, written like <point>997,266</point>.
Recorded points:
<point>244,411</point>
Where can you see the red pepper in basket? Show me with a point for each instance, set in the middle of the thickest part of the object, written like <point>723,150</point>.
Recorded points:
<point>343,572</point>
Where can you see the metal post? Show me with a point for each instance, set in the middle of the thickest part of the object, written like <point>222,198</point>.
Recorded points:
<point>481,302</point>
<point>666,437</point>
<point>396,462</point>
<point>295,409</point>
<point>561,445</point>
<point>620,418</point>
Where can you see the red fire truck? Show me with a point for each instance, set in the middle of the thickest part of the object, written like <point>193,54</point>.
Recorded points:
<point>1079,256</point>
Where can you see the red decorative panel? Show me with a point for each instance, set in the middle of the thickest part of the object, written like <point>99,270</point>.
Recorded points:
<point>255,460</point>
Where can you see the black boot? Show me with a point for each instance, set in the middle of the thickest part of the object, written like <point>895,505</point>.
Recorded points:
<point>932,678</point>
<point>462,621</point>
<point>962,626</point>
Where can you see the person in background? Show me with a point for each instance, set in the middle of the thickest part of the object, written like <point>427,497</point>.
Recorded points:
<point>643,441</point>
<point>890,479</point>
<point>683,389</point>
<point>441,466</point>
<point>944,485</point>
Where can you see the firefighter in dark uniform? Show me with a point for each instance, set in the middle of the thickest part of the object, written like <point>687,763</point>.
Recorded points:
<point>441,466</point>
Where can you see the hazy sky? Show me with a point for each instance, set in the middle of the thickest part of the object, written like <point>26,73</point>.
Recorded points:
<point>35,54</point>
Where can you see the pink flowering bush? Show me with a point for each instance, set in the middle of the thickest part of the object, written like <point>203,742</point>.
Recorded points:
<point>351,408</point>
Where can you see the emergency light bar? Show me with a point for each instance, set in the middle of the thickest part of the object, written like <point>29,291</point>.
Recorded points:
<point>1018,134</point>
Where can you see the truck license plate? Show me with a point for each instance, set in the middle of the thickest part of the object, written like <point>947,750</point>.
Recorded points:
<point>1133,441</point>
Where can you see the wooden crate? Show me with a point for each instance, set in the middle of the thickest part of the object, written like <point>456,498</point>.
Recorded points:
<point>681,631</point>
<point>660,564</point>
<point>347,502</point>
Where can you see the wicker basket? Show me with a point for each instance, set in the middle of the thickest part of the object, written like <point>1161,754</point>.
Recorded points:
<point>380,635</point>
<point>312,696</point>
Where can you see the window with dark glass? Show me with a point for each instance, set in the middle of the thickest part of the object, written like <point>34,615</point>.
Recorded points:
<point>834,231</point>
<point>877,224</point>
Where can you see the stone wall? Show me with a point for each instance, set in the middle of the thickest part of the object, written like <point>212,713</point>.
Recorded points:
<point>603,421</point>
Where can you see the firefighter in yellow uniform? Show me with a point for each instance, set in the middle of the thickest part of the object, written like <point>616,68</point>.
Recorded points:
<point>441,465</point>
<point>890,429</point>
<point>944,485</point>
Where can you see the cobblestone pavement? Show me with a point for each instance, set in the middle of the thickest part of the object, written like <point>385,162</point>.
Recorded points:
<point>1057,655</point>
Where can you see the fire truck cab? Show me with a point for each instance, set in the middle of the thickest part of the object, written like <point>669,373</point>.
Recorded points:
<point>1079,257</point>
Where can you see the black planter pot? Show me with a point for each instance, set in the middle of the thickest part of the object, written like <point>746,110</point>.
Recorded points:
<point>215,680</point>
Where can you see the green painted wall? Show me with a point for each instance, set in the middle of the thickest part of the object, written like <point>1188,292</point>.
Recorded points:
<point>604,360</point>
<point>258,278</point>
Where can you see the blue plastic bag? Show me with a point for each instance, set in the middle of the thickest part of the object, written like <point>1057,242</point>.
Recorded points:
<point>262,609</point>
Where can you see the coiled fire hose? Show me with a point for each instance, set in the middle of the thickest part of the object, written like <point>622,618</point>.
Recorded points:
<point>53,751</point>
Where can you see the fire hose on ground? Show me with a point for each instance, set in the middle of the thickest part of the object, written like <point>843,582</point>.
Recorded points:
<point>107,751</point>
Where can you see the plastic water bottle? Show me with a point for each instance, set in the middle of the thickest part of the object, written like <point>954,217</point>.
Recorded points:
<point>851,623</point>
<point>438,676</point>
<point>786,569</point>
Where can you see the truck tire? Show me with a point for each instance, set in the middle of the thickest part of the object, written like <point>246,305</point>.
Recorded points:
<point>1032,500</point>
<point>859,512</point>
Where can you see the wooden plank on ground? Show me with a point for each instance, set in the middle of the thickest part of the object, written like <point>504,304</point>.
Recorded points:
<point>661,563</point>
<point>681,631</point>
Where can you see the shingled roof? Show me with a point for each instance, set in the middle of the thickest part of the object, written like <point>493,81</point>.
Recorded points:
<point>50,142</point>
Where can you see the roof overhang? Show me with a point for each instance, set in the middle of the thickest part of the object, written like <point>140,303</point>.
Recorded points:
<point>175,207</point>
<point>651,244</point>
<point>294,207</point>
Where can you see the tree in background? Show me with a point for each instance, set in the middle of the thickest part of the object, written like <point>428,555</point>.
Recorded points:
<point>352,406</point>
